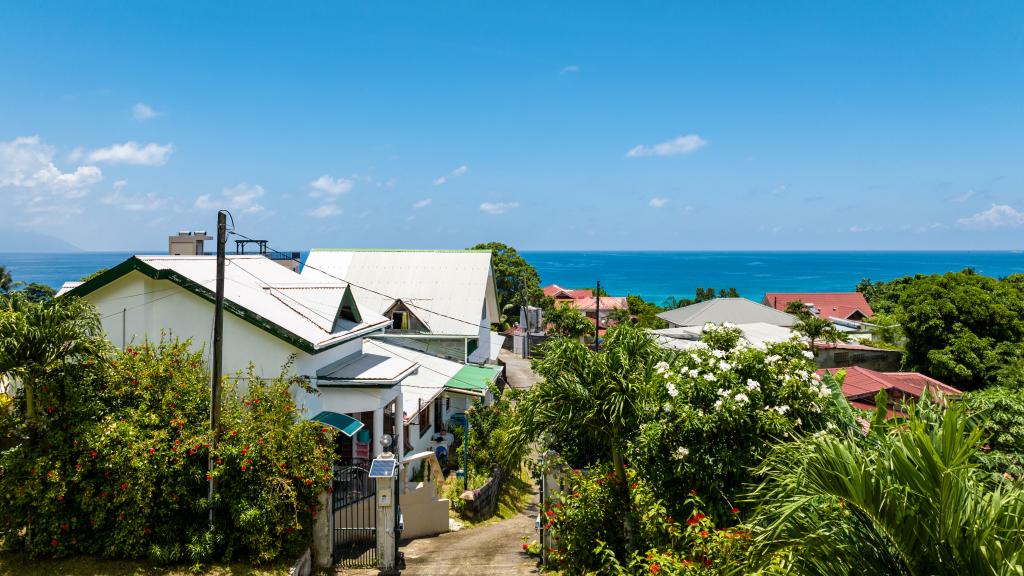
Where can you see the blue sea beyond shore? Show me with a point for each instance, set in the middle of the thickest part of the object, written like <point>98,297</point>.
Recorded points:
<point>653,275</point>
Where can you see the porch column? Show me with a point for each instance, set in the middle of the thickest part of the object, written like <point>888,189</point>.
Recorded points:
<point>378,431</point>
<point>399,426</point>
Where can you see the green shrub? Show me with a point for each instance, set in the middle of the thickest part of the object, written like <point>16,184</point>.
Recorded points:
<point>117,466</point>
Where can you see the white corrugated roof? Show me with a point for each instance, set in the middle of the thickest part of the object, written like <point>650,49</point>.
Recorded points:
<point>420,388</point>
<point>720,310</point>
<point>308,309</point>
<point>368,368</point>
<point>446,290</point>
<point>67,287</point>
<point>757,333</point>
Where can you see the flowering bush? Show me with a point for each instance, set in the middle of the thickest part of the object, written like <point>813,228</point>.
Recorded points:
<point>717,408</point>
<point>118,464</point>
<point>586,541</point>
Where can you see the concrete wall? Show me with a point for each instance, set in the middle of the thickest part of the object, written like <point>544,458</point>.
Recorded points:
<point>424,513</point>
<point>881,360</point>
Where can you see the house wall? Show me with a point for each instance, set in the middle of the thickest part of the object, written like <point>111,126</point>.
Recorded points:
<point>136,309</point>
<point>880,360</point>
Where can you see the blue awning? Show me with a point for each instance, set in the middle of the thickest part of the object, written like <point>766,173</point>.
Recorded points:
<point>343,422</point>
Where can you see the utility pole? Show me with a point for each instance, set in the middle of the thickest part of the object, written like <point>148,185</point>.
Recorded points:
<point>218,351</point>
<point>526,317</point>
<point>597,321</point>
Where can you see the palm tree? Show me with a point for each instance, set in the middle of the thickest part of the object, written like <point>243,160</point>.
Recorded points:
<point>36,338</point>
<point>594,395</point>
<point>818,329</point>
<point>6,282</point>
<point>909,499</point>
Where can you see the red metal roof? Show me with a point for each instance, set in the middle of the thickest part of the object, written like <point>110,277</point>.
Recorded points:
<point>862,384</point>
<point>829,304</point>
<point>556,291</point>
<point>607,303</point>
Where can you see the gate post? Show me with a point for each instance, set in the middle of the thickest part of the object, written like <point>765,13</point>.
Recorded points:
<point>383,470</point>
<point>323,542</point>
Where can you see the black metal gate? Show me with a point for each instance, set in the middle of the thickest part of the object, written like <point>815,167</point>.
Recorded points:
<point>355,518</point>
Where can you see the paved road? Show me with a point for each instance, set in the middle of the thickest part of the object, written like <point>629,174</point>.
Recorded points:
<point>491,549</point>
<point>517,370</point>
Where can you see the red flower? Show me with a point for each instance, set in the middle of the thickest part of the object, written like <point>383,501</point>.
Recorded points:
<point>219,461</point>
<point>146,531</point>
<point>49,409</point>
<point>324,429</point>
<point>93,454</point>
<point>129,350</point>
<point>734,510</point>
<point>703,533</point>
<point>655,568</point>
<point>209,477</point>
<point>693,492</point>
<point>525,547</point>
<point>60,498</point>
<point>551,513</point>
<point>243,467</point>
<point>54,543</point>
<point>152,450</point>
<point>124,486</point>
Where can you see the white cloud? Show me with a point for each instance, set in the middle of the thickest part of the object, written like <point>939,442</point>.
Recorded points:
<point>963,197</point>
<point>241,198</point>
<point>27,163</point>
<point>998,216</point>
<point>857,229</point>
<point>453,174</point>
<point>142,111</point>
<point>120,184</point>
<point>681,145</point>
<point>422,203</point>
<point>326,210</point>
<point>133,153</point>
<point>134,202</point>
<point>498,207</point>
<point>327,185</point>
<point>658,202</point>
<point>570,69</point>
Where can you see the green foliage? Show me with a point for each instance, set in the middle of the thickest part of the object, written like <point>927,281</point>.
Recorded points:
<point>6,282</point>
<point>962,328</point>
<point>516,281</point>
<point>911,500</point>
<point>88,277</point>
<point>999,411</point>
<point>645,313</point>
<point>715,411</point>
<point>488,430</point>
<point>582,521</point>
<point>701,295</point>
<point>798,309</point>
<point>116,464</point>
<point>818,329</point>
<point>568,321</point>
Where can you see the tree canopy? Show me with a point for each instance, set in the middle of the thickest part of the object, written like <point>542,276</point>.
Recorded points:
<point>963,328</point>
<point>515,280</point>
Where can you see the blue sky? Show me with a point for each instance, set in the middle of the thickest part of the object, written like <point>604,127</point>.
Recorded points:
<point>659,126</point>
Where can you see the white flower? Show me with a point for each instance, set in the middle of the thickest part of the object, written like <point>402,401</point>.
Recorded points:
<point>718,404</point>
<point>781,410</point>
<point>741,397</point>
<point>667,407</point>
<point>661,367</point>
<point>718,353</point>
<point>723,392</point>
<point>709,377</point>
<point>807,354</point>
<point>830,425</point>
<point>693,373</point>
<point>815,408</point>
<point>799,422</point>
<point>816,377</point>
<point>824,391</point>
<point>728,325</point>
<point>772,358</point>
<point>724,366</point>
<point>681,453</point>
<point>708,327</point>
<point>753,385</point>
<point>672,390</point>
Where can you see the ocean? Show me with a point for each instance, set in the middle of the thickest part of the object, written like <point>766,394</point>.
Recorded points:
<point>653,275</point>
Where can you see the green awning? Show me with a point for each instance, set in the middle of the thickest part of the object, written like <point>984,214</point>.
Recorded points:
<point>474,378</point>
<point>347,424</point>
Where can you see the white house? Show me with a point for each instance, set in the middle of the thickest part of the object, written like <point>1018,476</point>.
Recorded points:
<point>272,315</point>
<point>438,390</point>
<point>442,302</point>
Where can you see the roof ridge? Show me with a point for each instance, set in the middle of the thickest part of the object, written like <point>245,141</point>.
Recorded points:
<point>428,250</point>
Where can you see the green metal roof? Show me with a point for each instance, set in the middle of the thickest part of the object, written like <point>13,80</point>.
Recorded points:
<point>347,424</point>
<point>474,378</point>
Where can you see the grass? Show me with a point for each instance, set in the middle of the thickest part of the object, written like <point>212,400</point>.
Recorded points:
<point>513,497</point>
<point>19,564</point>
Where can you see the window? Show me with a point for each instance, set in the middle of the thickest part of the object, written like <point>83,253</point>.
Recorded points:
<point>400,320</point>
<point>424,420</point>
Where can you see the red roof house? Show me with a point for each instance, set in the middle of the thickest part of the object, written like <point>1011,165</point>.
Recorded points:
<point>861,385</point>
<point>843,305</point>
<point>558,293</point>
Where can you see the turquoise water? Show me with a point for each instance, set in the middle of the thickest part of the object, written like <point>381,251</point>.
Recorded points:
<point>653,275</point>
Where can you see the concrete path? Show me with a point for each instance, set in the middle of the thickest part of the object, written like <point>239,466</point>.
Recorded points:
<point>517,370</point>
<point>492,549</point>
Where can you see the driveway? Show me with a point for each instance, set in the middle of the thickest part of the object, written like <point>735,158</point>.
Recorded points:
<point>492,549</point>
<point>517,370</point>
